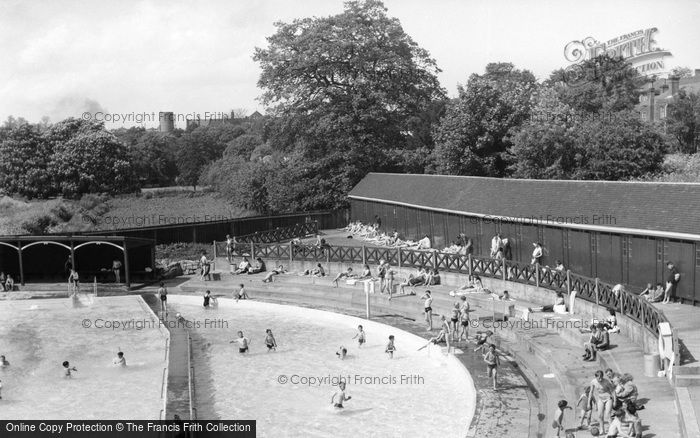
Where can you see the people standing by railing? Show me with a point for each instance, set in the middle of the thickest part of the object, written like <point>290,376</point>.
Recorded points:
<point>672,280</point>
<point>536,254</point>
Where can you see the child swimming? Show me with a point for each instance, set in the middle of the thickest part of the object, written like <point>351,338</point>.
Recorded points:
<point>342,352</point>
<point>67,370</point>
<point>3,362</point>
<point>339,397</point>
<point>360,336</point>
<point>390,348</point>
<point>242,343</point>
<point>270,340</point>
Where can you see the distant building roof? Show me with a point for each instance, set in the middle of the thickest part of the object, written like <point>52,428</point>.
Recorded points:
<point>670,209</point>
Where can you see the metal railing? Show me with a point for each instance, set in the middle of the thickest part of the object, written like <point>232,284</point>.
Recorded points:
<point>590,289</point>
<point>280,234</point>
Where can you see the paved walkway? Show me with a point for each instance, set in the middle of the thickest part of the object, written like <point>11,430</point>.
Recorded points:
<point>178,397</point>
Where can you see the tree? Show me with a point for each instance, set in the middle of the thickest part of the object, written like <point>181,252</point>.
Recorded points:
<point>243,146</point>
<point>620,147</point>
<point>24,163</point>
<point>198,148</point>
<point>682,72</point>
<point>472,137</point>
<point>543,148</point>
<point>683,121</point>
<point>92,161</point>
<point>153,159</point>
<point>601,84</point>
<point>344,86</point>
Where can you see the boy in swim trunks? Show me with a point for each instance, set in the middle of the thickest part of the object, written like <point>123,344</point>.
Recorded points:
<point>270,341</point>
<point>163,294</point>
<point>492,361</point>
<point>464,319</point>
<point>428,309</point>
<point>342,352</point>
<point>340,397</point>
<point>360,336</point>
<point>67,370</point>
<point>390,348</point>
<point>242,343</point>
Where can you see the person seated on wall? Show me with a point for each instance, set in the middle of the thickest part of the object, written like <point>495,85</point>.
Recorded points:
<point>600,340</point>
<point>610,323</point>
<point>318,271</point>
<point>653,295</point>
<point>277,271</point>
<point>243,267</point>
<point>559,305</point>
<point>424,243</point>
<point>559,266</point>
<point>504,297</point>
<point>9,283</point>
<point>258,268</point>
<point>347,274</point>
<point>626,390</point>
<point>366,273</point>
<point>413,280</point>
<point>617,290</point>
<point>3,279</point>
<point>499,254</point>
<point>473,285</point>
<point>432,277</point>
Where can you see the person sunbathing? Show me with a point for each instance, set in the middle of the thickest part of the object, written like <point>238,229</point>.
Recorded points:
<point>414,280</point>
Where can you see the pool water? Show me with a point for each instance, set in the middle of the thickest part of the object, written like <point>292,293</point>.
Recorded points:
<point>36,336</point>
<point>288,391</point>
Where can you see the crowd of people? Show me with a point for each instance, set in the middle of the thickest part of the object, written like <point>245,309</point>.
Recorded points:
<point>7,283</point>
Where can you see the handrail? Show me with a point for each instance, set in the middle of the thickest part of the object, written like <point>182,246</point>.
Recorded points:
<point>190,378</point>
<point>589,289</point>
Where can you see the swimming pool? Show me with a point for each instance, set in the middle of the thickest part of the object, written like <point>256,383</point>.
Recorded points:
<point>36,336</point>
<point>289,391</point>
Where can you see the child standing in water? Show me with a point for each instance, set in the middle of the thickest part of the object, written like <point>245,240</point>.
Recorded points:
<point>342,352</point>
<point>558,423</point>
<point>67,370</point>
<point>584,401</point>
<point>492,361</point>
<point>270,340</point>
<point>242,294</point>
<point>390,348</point>
<point>120,361</point>
<point>163,294</point>
<point>340,397</point>
<point>360,336</point>
<point>242,343</point>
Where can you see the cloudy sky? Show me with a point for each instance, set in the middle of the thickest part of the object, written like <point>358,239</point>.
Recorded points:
<point>64,57</point>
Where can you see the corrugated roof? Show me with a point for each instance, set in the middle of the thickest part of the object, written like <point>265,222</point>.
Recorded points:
<point>624,206</point>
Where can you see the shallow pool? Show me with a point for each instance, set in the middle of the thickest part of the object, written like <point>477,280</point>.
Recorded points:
<point>36,336</point>
<point>289,391</point>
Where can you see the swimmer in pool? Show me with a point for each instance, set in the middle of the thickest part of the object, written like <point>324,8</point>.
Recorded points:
<point>360,336</point>
<point>340,397</point>
<point>270,340</point>
<point>390,348</point>
<point>3,362</point>
<point>120,361</point>
<point>342,352</point>
<point>242,343</point>
<point>68,370</point>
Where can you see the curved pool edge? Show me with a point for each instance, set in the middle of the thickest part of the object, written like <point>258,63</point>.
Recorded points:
<point>453,363</point>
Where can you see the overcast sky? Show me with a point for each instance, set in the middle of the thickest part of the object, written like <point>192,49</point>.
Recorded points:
<point>63,57</point>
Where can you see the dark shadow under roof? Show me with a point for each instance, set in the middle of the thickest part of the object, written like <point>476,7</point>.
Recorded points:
<point>659,207</point>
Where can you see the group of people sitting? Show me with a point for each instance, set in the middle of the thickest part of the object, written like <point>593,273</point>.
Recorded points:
<point>245,267</point>
<point>372,233</point>
<point>422,277</point>
<point>7,283</point>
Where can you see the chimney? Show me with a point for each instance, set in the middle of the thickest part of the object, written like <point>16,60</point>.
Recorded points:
<point>674,84</point>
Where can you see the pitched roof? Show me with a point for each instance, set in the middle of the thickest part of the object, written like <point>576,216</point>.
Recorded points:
<point>671,209</point>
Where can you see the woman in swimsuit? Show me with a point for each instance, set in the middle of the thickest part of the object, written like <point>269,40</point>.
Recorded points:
<point>454,321</point>
<point>270,342</point>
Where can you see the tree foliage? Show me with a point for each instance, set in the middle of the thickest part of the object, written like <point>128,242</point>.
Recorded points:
<point>473,135</point>
<point>683,122</point>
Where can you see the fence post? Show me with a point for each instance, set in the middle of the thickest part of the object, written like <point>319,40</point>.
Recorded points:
<point>568,282</point>
<point>214,244</point>
<point>504,269</point>
<point>435,261</point>
<point>537,275</point>
<point>252,249</point>
<point>364,255</point>
<point>597,297</point>
<point>469,264</point>
<point>399,257</point>
<point>291,254</point>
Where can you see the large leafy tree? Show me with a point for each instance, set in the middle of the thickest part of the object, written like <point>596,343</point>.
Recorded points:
<point>198,148</point>
<point>601,84</point>
<point>91,161</point>
<point>24,163</point>
<point>473,136</point>
<point>343,88</point>
<point>683,121</point>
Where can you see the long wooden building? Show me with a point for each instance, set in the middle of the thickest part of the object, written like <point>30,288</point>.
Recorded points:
<point>620,232</point>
